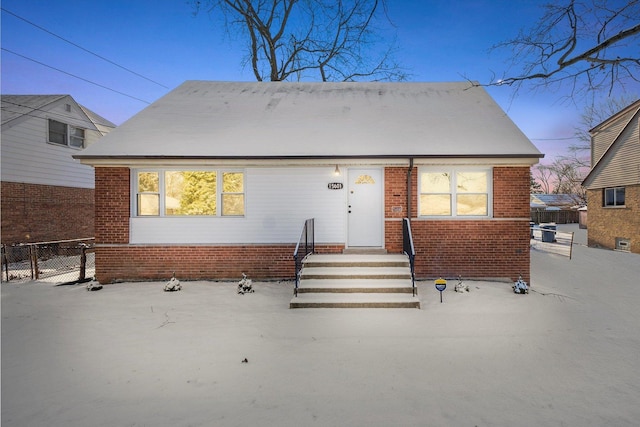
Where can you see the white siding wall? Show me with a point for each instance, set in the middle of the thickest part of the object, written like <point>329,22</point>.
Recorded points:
<point>622,166</point>
<point>278,200</point>
<point>28,157</point>
<point>606,135</point>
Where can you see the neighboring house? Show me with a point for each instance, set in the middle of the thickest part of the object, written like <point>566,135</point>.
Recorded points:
<point>613,185</point>
<point>555,201</point>
<point>558,208</point>
<point>46,194</point>
<point>217,178</point>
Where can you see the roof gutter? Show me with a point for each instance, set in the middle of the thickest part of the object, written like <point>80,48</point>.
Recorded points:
<point>409,175</point>
<point>305,157</point>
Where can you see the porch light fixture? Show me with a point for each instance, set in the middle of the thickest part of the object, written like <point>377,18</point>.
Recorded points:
<point>337,171</point>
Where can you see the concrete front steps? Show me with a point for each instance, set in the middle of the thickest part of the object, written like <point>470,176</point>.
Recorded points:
<point>355,281</point>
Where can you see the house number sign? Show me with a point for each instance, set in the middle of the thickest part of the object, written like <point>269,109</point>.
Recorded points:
<point>335,186</point>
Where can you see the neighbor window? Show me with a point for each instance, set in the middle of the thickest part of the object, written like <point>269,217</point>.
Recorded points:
<point>64,134</point>
<point>454,193</point>
<point>189,193</point>
<point>613,196</point>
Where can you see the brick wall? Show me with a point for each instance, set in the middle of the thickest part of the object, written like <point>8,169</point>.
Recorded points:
<point>38,213</point>
<point>395,204</point>
<point>156,262</point>
<point>112,205</point>
<point>605,224</point>
<point>472,249</point>
<point>484,248</point>
<point>511,192</point>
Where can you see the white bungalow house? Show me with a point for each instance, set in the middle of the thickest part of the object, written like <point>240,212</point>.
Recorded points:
<point>218,178</point>
<point>47,194</point>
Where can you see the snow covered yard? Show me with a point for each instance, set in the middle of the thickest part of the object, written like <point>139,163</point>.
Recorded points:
<point>133,355</point>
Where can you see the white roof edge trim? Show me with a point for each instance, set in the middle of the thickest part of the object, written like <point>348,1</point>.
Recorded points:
<point>307,162</point>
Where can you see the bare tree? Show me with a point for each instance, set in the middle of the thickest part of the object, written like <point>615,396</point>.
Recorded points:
<point>535,187</point>
<point>328,40</point>
<point>593,115</point>
<point>563,176</point>
<point>544,176</point>
<point>591,45</point>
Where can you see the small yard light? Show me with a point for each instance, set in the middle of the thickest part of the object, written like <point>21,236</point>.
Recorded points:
<point>441,285</point>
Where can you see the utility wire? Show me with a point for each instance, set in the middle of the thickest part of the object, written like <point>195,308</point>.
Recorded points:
<point>32,109</point>
<point>553,139</point>
<point>82,48</point>
<point>77,77</point>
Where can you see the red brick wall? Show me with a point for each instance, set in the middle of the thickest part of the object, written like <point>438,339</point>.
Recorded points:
<point>155,262</point>
<point>487,248</point>
<point>40,213</point>
<point>511,192</point>
<point>112,205</point>
<point>472,249</point>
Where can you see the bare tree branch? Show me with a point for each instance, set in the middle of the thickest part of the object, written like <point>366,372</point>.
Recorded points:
<point>296,39</point>
<point>592,45</point>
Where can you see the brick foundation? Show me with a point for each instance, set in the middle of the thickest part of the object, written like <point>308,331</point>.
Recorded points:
<point>40,213</point>
<point>156,262</point>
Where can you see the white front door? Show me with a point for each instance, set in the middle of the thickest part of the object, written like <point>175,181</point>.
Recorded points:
<point>365,207</point>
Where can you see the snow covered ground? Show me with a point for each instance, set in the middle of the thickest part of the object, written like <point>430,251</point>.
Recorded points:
<point>567,354</point>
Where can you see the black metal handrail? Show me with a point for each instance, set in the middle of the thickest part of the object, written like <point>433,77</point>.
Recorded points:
<point>306,245</point>
<point>409,250</point>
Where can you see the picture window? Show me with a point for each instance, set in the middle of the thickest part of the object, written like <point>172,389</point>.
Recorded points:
<point>455,193</point>
<point>173,193</point>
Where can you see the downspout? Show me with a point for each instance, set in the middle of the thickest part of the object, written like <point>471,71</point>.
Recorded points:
<point>409,174</point>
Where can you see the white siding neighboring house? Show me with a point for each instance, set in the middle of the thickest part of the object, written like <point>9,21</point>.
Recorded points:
<point>40,133</point>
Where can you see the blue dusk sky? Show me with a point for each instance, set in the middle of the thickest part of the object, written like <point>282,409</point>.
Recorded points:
<point>165,44</point>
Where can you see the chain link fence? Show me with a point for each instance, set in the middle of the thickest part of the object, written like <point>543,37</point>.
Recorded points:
<point>62,261</point>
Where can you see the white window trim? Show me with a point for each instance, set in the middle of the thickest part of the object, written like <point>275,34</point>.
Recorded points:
<point>604,197</point>
<point>161,189</point>
<point>68,127</point>
<point>452,170</point>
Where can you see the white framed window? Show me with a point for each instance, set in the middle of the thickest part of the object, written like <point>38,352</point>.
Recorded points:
<point>612,197</point>
<point>455,192</point>
<point>64,134</point>
<point>188,192</point>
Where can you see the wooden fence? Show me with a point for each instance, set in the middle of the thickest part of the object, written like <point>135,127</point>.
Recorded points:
<point>559,217</point>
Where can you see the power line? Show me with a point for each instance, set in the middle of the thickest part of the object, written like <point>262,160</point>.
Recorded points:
<point>82,48</point>
<point>553,139</point>
<point>77,77</point>
<point>32,109</point>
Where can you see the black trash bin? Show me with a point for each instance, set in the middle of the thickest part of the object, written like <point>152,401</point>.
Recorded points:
<point>548,232</point>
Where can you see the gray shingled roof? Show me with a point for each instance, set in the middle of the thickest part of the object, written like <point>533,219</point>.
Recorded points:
<point>16,106</point>
<point>204,119</point>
